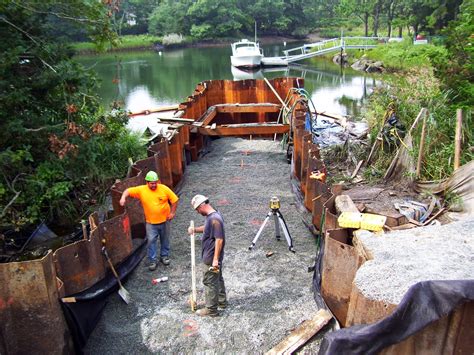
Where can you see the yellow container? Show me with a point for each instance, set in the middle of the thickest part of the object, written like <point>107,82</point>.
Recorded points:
<point>372,222</point>
<point>349,220</point>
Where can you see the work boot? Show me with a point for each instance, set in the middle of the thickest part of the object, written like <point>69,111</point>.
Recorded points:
<point>152,266</point>
<point>165,260</point>
<point>203,312</point>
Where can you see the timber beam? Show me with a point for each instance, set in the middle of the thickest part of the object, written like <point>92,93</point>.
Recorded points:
<point>212,111</point>
<point>244,129</point>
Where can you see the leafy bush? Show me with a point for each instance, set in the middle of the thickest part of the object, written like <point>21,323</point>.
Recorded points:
<point>201,31</point>
<point>59,151</point>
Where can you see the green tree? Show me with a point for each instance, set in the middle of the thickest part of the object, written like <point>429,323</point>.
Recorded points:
<point>57,146</point>
<point>215,18</point>
<point>457,70</point>
<point>139,11</point>
<point>269,16</point>
<point>362,9</point>
<point>169,17</point>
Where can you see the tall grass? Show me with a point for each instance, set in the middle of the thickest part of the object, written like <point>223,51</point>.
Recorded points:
<point>408,92</point>
<point>124,42</point>
<point>405,55</point>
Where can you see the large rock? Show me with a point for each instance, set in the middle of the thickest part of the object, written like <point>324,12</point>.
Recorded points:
<point>340,59</point>
<point>368,65</point>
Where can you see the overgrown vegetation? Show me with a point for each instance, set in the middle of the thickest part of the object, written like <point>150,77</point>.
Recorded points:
<point>405,55</point>
<point>123,42</point>
<point>59,150</point>
<point>409,90</point>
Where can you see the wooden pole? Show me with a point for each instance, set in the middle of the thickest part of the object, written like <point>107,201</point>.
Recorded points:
<point>422,144</point>
<point>193,300</point>
<point>457,139</point>
<point>84,229</point>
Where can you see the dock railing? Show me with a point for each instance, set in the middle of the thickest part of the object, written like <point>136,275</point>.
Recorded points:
<point>318,48</point>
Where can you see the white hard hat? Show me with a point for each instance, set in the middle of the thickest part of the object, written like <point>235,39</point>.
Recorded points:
<point>198,200</point>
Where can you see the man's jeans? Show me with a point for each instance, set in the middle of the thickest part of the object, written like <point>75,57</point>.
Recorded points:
<point>214,288</point>
<point>152,233</point>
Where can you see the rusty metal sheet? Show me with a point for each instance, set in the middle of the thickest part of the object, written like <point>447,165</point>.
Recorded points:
<point>340,264</point>
<point>305,144</point>
<point>322,193</point>
<point>163,163</point>
<point>176,152</point>
<point>118,238</point>
<point>80,265</point>
<point>133,206</point>
<point>32,321</point>
<point>330,215</point>
<point>314,163</point>
<point>298,149</point>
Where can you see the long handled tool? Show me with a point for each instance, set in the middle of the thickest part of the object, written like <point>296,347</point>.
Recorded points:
<point>193,300</point>
<point>123,293</point>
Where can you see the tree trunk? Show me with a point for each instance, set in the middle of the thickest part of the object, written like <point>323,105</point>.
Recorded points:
<point>400,31</point>
<point>366,23</point>
<point>390,11</point>
<point>377,17</point>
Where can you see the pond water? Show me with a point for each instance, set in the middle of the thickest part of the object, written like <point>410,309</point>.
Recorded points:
<point>148,79</point>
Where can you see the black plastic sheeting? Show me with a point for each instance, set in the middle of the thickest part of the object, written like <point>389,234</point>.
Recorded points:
<point>317,276</point>
<point>83,315</point>
<point>424,303</point>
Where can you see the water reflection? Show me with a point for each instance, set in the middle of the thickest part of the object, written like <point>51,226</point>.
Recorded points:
<point>146,80</point>
<point>239,74</point>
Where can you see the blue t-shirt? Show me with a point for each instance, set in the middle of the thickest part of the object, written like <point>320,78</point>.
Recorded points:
<point>213,229</point>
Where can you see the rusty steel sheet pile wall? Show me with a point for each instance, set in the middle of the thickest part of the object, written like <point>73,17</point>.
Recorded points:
<point>341,260</point>
<point>80,265</point>
<point>216,92</point>
<point>341,263</point>
<point>32,321</point>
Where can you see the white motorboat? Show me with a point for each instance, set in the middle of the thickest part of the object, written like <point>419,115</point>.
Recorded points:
<point>246,54</point>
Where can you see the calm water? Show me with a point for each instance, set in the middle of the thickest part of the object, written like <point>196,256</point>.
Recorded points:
<point>147,80</point>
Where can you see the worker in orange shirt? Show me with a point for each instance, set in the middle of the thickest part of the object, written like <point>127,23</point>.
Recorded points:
<point>159,205</point>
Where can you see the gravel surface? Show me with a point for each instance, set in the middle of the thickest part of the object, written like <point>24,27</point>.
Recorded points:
<point>268,296</point>
<point>403,258</point>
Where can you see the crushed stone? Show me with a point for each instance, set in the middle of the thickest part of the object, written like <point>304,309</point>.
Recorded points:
<point>403,258</point>
<point>268,296</point>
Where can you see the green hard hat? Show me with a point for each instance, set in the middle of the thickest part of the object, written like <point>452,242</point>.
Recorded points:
<point>151,176</point>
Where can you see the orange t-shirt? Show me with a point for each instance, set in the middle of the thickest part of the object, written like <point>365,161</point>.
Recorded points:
<point>156,204</point>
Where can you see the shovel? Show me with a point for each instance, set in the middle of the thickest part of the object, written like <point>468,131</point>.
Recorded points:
<point>123,293</point>
<point>193,298</point>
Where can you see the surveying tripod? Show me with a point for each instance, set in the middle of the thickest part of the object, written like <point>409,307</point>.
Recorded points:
<point>279,221</point>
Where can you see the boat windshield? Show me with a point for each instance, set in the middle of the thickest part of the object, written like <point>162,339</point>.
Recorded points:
<point>248,44</point>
